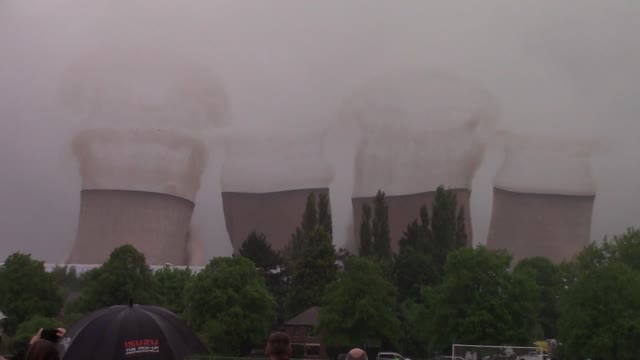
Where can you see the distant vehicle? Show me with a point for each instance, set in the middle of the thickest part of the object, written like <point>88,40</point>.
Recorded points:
<point>390,356</point>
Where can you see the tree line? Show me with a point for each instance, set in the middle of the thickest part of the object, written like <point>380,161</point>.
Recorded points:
<point>433,291</point>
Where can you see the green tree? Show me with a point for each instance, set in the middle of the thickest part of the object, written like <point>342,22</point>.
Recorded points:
<point>461,229</point>
<point>443,225</point>
<point>171,284</point>
<point>548,279</point>
<point>270,265</point>
<point>366,237</point>
<point>324,213</point>
<point>27,329</point>
<point>123,277</point>
<point>27,290</point>
<point>359,308</point>
<point>229,304</point>
<point>310,215</point>
<point>381,233</point>
<point>414,267</point>
<point>259,251</point>
<point>311,273</point>
<point>482,302</point>
<point>601,315</point>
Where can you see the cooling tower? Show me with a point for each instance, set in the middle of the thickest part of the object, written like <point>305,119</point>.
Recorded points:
<point>418,131</point>
<point>138,189</point>
<point>266,180</point>
<point>543,198</point>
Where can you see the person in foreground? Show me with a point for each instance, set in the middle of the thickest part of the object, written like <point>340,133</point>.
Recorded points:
<point>356,354</point>
<point>42,350</point>
<point>279,346</point>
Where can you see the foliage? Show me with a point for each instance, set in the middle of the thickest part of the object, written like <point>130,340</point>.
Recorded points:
<point>482,302</point>
<point>601,315</point>
<point>359,308</point>
<point>259,251</point>
<point>270,265</point>
<point>311,273</point>
<point>171,284</point>
<point>547,278</point>
<point>123,277</point>
<point>366,237</point>
<point>27,329</point>
<point>310,215</point>
<point>443,226</point>
<point>229,304</point>
<point>324,213</point>
<point>381,234</point>
<point>27,290</point>
<point>414,267</point>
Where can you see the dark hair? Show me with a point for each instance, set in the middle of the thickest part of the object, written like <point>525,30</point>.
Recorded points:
<point>42,350</point>
<point>279,345</point>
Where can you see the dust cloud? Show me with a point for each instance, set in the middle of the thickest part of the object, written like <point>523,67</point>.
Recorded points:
<point>419,130</point>
<point>153,160</point>
<point>275,162</point>
<point>216,70</point>
<point>547,165</point>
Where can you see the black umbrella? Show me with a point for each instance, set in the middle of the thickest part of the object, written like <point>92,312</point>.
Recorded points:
<point>134,332</point>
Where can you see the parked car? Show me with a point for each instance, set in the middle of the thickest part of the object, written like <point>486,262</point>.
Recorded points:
<point>390,356</point>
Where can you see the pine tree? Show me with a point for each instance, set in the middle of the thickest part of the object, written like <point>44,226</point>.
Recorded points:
<point>380,227</point>
<point>444,229</point>
<point>461,231</point>
<point>366,241</point>
<point>324,213</point>
<point>310,215</point>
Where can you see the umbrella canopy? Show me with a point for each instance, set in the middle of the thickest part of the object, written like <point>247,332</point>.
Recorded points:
<point>130,332</point>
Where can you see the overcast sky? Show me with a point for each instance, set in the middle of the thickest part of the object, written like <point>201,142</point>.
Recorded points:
<point>565,68</point>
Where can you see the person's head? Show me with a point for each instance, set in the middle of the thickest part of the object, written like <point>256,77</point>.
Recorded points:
<point>279,346</point>
<point>42,350</point>
<point>356,354</point>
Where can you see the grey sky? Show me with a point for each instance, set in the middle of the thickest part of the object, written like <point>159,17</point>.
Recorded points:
<point>555,68</point>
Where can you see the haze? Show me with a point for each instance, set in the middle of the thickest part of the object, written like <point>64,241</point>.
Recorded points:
<point>283,70</point>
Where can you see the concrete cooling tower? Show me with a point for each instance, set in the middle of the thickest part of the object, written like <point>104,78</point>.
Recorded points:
<point>543,198</point>
<point>419,131</point>
<point>138,188</point>
<point>266,181</point>
<point>145,111</point>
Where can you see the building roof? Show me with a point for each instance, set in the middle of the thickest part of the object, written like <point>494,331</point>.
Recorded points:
<point>308,317</point>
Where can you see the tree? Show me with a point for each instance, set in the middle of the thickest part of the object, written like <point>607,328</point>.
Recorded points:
<point>270,265</point>
<point>229,304</point>
<point>310,215</point>
<point>171,284</point>
<point>311,273</point>
<point>27,290</point>
<point>380,227</point>
<point>547,278</point>
<point>461,229</point>
<point>359,308</point>
<point>443,225</point>
<point>366,236</point>
<point>123,277</point>
<point>259,251</point>
<point>27,329</point>
<point>601,315</point>
<point>482,302</point>
<point>413,267</point>
<point>324,212</point>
